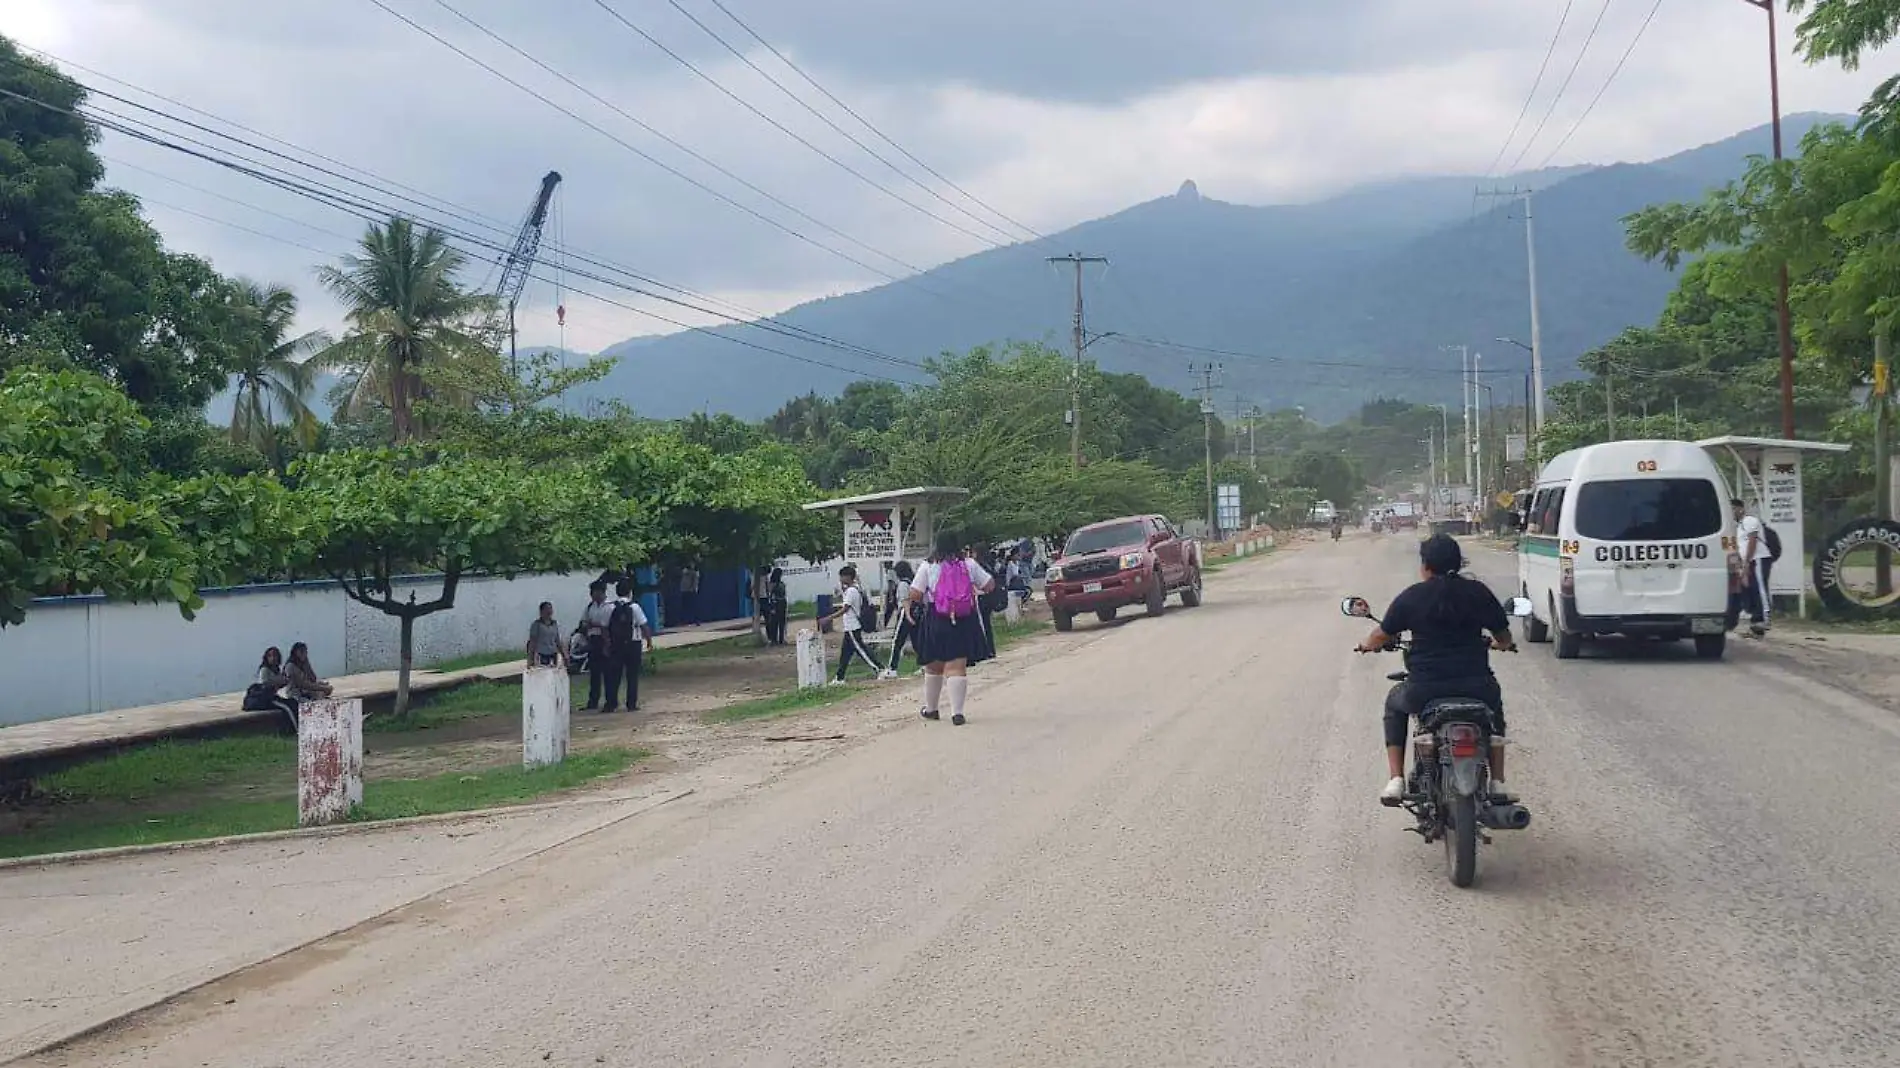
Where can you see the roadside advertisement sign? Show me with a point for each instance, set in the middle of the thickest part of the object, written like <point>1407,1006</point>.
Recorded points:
<point>1227,506</point>
<point>1781,509</point>
<point>886,533</point>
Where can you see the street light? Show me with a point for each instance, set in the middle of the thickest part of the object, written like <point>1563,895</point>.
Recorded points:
<point>1784,328</point>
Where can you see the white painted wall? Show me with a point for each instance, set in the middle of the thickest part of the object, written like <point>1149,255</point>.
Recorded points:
<point>84,654</point>
<point>805,581</point>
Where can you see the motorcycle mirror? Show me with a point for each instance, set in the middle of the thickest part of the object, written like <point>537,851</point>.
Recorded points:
<point>1357,607</point>
<point>1521,607</point>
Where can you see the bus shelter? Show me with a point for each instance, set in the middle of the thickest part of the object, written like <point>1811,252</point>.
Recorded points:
<point>891,526</point>
<point>1767,471</point>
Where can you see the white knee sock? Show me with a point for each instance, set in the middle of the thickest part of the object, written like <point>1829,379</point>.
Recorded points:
<point>933,691</point>
<point>959,687</point>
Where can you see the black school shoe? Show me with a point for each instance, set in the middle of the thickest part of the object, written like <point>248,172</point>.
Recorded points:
<point>958,720</point>
<point>928,714</point>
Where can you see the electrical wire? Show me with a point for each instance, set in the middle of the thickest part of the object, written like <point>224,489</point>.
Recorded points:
<point>1564,87</point>
<point>373,213</point>
<point>649,157</point>
<point>781,127</point>
<point>675,143</point>
<point>847,109</point>
<point>1605,87</point>
<point>841,131</point>
<point>1542,68</point>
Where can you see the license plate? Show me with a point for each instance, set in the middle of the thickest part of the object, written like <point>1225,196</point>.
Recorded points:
<point>1091,587</point>
<point>1705,625</point>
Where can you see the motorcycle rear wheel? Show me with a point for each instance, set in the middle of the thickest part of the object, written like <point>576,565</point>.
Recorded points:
<point>1461,840</point>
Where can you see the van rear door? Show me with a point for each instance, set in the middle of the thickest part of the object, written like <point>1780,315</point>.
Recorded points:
<point>1651,542</point>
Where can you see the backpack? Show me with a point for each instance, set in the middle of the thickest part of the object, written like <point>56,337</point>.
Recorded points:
<point>1773,541</point>
<point>953,595</point>
<point>620,626</point>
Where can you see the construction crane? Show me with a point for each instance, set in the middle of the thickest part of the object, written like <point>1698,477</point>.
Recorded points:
<point>520,261</point>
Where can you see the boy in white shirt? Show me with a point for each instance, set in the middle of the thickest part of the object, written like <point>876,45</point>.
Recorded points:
<point>1751,544</point>
<point>852,614</point>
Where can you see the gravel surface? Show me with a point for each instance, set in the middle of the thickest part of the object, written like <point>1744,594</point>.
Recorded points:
<point>1158,844</point>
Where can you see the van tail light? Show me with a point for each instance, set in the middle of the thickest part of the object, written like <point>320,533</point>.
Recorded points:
<point>1463,738</point>
<point>1568,576</point>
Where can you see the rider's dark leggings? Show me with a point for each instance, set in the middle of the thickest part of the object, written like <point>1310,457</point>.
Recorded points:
<point>1407,699</point>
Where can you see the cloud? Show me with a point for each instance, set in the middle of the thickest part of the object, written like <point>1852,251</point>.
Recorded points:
<point>1052,117</point>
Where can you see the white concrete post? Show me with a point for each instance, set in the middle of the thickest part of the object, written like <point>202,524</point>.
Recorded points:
<point>811,658</point>
<point>1013,612</point>
<point>545,697</point>
<point>329,760</point>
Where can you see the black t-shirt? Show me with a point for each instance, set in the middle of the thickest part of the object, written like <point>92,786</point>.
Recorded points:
<point>1442,653</point>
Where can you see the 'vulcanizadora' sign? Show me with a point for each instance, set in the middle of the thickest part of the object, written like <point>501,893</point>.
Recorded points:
<point>1637,554</point>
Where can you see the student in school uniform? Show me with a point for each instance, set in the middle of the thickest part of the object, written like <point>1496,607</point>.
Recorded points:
<point>951,636</point>
<point>906,618</point>
<point>852,614</point>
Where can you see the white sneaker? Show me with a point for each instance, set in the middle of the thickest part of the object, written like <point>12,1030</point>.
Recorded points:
<point>1393,792</point>
<point>887,674</point>
<point>835,682</point>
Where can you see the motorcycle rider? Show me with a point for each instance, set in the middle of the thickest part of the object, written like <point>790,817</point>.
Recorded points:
<point>1448,615</point>
<point>1338,525</point>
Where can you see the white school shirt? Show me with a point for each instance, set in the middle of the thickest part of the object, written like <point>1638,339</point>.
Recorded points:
<point>1750,525</point>
<point>853,607</point>
<point>926,582</point>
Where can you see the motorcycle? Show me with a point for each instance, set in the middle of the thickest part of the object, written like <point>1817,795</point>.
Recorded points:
<point>1336,530</point>
<point>1448,789</point>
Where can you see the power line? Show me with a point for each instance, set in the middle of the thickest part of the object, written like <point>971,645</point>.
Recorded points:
<point>932,171</point>
<point>1562,19</point>
<point>841,131</point>
<point>781,127</point>
<point>1605,87</point>
<point>1563,88</point>
<point>650,158</point>
<point>675,143</point>
<point>375,182</point>
<point>372,212</point>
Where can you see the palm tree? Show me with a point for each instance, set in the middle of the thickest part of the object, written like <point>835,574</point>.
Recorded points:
<point>274,375</point>
<point>407,315</point>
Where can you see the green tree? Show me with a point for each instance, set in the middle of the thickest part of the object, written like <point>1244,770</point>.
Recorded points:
<point>274,373</point>
<point>407,317</point>
<point>375,515</point>
<point>78,516</point>
<point>84,280</point>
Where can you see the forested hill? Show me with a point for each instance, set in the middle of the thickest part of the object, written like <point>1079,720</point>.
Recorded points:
<point>1322,304</point>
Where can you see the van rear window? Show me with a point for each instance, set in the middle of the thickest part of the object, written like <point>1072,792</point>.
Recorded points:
<point>1648,509</point>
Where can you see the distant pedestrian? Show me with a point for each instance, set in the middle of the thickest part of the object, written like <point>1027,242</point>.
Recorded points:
<point>951,637</point>
<point>594,617</point>
<point>266,690</point>
<point>305,684</point>
<point>1751,543</point>
<point>689,594</point>
<point>545,644</point>
<point>906,618</point>
<point>629,635</point>
<point>775,607</point>
<point>850,617</point>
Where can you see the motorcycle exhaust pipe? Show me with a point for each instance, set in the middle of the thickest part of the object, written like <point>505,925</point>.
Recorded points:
<point>1506,817</point>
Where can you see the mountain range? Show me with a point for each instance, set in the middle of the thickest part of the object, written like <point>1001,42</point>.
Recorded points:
<point>1321,305</point>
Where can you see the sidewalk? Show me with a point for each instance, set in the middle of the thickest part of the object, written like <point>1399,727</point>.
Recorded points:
<point>101,730</point>
<point>89,942</point>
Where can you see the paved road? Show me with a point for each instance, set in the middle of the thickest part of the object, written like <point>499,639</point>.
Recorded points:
<point>1158,845</point>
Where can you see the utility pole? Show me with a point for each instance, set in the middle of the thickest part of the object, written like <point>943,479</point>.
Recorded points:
<point>1076,260</point>
<point>1530,253</point>
<point>1208,372</point>
<point>1253,449</point>
<point>1464,400</point>
<point>1883,476</point>
<point>1431,469</point>
<point>1784,328</point>
<point>1609,400</point>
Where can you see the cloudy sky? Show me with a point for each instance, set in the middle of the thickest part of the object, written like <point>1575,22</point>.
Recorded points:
<point>1050,113</point>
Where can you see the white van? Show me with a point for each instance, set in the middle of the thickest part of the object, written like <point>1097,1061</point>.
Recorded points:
<point>1631,538</point>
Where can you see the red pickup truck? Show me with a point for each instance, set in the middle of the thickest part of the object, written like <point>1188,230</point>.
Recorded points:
<point>1107,566</point>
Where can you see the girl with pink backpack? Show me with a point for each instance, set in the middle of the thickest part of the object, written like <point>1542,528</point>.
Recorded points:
<point>950,636</point>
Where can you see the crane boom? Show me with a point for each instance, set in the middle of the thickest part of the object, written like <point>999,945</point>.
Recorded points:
<point>514,270</point>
